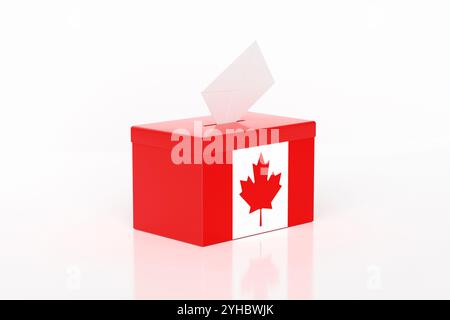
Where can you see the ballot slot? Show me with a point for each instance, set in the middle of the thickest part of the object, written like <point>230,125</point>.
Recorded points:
<point>215,124</point>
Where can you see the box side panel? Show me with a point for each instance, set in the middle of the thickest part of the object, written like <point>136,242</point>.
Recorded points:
<point>217,205</point>
<point>301,181</point>
<point>166,196</point>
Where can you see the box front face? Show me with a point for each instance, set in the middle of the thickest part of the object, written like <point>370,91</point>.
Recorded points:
<point>260,189</point>
<point>237,203</point>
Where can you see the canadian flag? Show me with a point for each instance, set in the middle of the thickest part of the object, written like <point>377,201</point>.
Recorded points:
<point>260,189</point>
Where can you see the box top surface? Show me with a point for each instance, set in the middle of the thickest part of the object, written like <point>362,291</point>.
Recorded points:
<point>205,127</point>
<point>251,120</point>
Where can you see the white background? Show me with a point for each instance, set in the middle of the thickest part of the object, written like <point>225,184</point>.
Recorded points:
<point>75,75</point>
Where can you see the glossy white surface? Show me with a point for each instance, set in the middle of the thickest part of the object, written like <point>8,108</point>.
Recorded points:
<point>74,77</point>
<point>378,234</point>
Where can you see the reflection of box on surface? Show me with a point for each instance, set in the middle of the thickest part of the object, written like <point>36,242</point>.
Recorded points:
<point>274,265</point>
<point>165,269</point>
<point>203,183</point>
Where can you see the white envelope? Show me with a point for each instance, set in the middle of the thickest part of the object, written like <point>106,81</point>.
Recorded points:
<point>233,92</point>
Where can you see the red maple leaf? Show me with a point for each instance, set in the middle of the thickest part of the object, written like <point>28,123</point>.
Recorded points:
<point>260,193</point>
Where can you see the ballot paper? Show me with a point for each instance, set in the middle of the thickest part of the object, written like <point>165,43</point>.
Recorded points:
<point>235,91</point>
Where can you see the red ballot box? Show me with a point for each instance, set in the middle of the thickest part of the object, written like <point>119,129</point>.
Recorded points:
<point>203,183</point>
